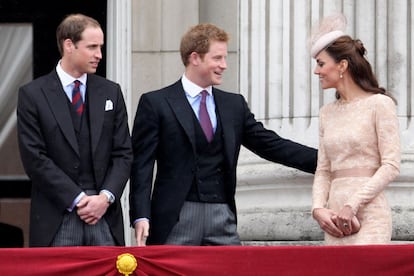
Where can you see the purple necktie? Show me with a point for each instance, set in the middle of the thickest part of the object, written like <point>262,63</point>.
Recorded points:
<point>205,118</point>
<point>77,102</point>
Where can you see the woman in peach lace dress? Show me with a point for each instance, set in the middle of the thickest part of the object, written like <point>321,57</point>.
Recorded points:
<point>359,147</point>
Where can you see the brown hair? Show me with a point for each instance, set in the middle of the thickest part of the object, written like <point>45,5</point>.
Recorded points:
<point>72,28</point>
<point>359,68</point>
<point>198,38</point>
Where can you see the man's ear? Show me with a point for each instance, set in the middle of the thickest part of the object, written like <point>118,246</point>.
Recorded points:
<point>194,58</point>
<point>68,45</point>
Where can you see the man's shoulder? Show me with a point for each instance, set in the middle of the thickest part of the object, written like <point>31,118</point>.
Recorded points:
<point>164,90</point>
<point>226,93</point>
<point>97,79</point>
<point>42,80</point>
<point>227,96</point>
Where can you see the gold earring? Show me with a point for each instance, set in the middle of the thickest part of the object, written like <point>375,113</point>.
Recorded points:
<point>340,75</point>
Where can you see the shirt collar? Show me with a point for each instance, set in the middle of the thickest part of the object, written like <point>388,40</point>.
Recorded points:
<point>193,89</point>
<point>67,79</point>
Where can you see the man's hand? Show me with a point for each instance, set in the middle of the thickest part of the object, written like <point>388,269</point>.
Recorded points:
<point>325,219</point>
<point>91,208</point>
<point>141,232</point>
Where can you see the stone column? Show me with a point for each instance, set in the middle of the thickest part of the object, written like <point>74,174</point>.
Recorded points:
<point>119,70</point>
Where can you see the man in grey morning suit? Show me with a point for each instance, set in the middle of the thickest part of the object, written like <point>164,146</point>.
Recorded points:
<point>192,201</point>
<point>75,144</point>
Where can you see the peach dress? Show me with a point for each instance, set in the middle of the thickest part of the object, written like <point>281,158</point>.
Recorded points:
<point>359,155</point>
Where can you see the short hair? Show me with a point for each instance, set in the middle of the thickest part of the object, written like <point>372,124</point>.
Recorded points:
<point>72,28</point>
<point>198,39</point>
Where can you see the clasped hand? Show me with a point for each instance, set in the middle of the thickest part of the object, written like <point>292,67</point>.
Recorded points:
<point>91,208</point>
<point>340,224</point>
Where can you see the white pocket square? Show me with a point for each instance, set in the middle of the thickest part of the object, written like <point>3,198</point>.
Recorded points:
<point>109,105</point>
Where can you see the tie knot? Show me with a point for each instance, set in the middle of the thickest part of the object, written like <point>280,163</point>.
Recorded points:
<point>77,84</point>
<point>204,94</point>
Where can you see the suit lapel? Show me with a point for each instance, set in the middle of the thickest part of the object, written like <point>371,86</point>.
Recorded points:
<point>184,114</point>
<point>182,110</point>
<point>58,104</point>
<point>225,112</point>
<point>96,109</point>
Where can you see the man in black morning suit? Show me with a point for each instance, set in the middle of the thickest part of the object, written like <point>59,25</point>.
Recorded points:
<point>192,201</point>
<point>75,144</point>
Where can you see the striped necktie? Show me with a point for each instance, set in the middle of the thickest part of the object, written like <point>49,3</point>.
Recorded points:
<point>77,101</point>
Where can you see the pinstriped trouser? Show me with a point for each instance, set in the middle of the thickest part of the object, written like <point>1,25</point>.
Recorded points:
<point>75,232</point>
<point>205,224</point>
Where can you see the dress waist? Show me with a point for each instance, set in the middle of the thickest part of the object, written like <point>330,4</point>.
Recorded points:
<point>354,172</point>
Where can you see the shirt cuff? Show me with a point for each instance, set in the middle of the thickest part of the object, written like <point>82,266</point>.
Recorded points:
<point>140,219</point>
<point>76,201</point>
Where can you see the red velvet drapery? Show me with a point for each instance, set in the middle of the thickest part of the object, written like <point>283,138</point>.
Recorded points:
<point>392,260</point>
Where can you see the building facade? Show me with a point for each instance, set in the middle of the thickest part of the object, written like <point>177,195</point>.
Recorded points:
<point>268,63</point>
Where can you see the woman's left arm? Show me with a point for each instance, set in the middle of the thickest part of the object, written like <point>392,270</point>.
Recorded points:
<point>388,136</point>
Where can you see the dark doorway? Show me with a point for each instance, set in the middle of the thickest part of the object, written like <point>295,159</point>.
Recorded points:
<point>44,16</point>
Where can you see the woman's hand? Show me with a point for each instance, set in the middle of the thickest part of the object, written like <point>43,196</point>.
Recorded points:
<point>346,221</point>
<point>324,217</point>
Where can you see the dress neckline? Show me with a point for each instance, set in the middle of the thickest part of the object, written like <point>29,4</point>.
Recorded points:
<point>354,100</point>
